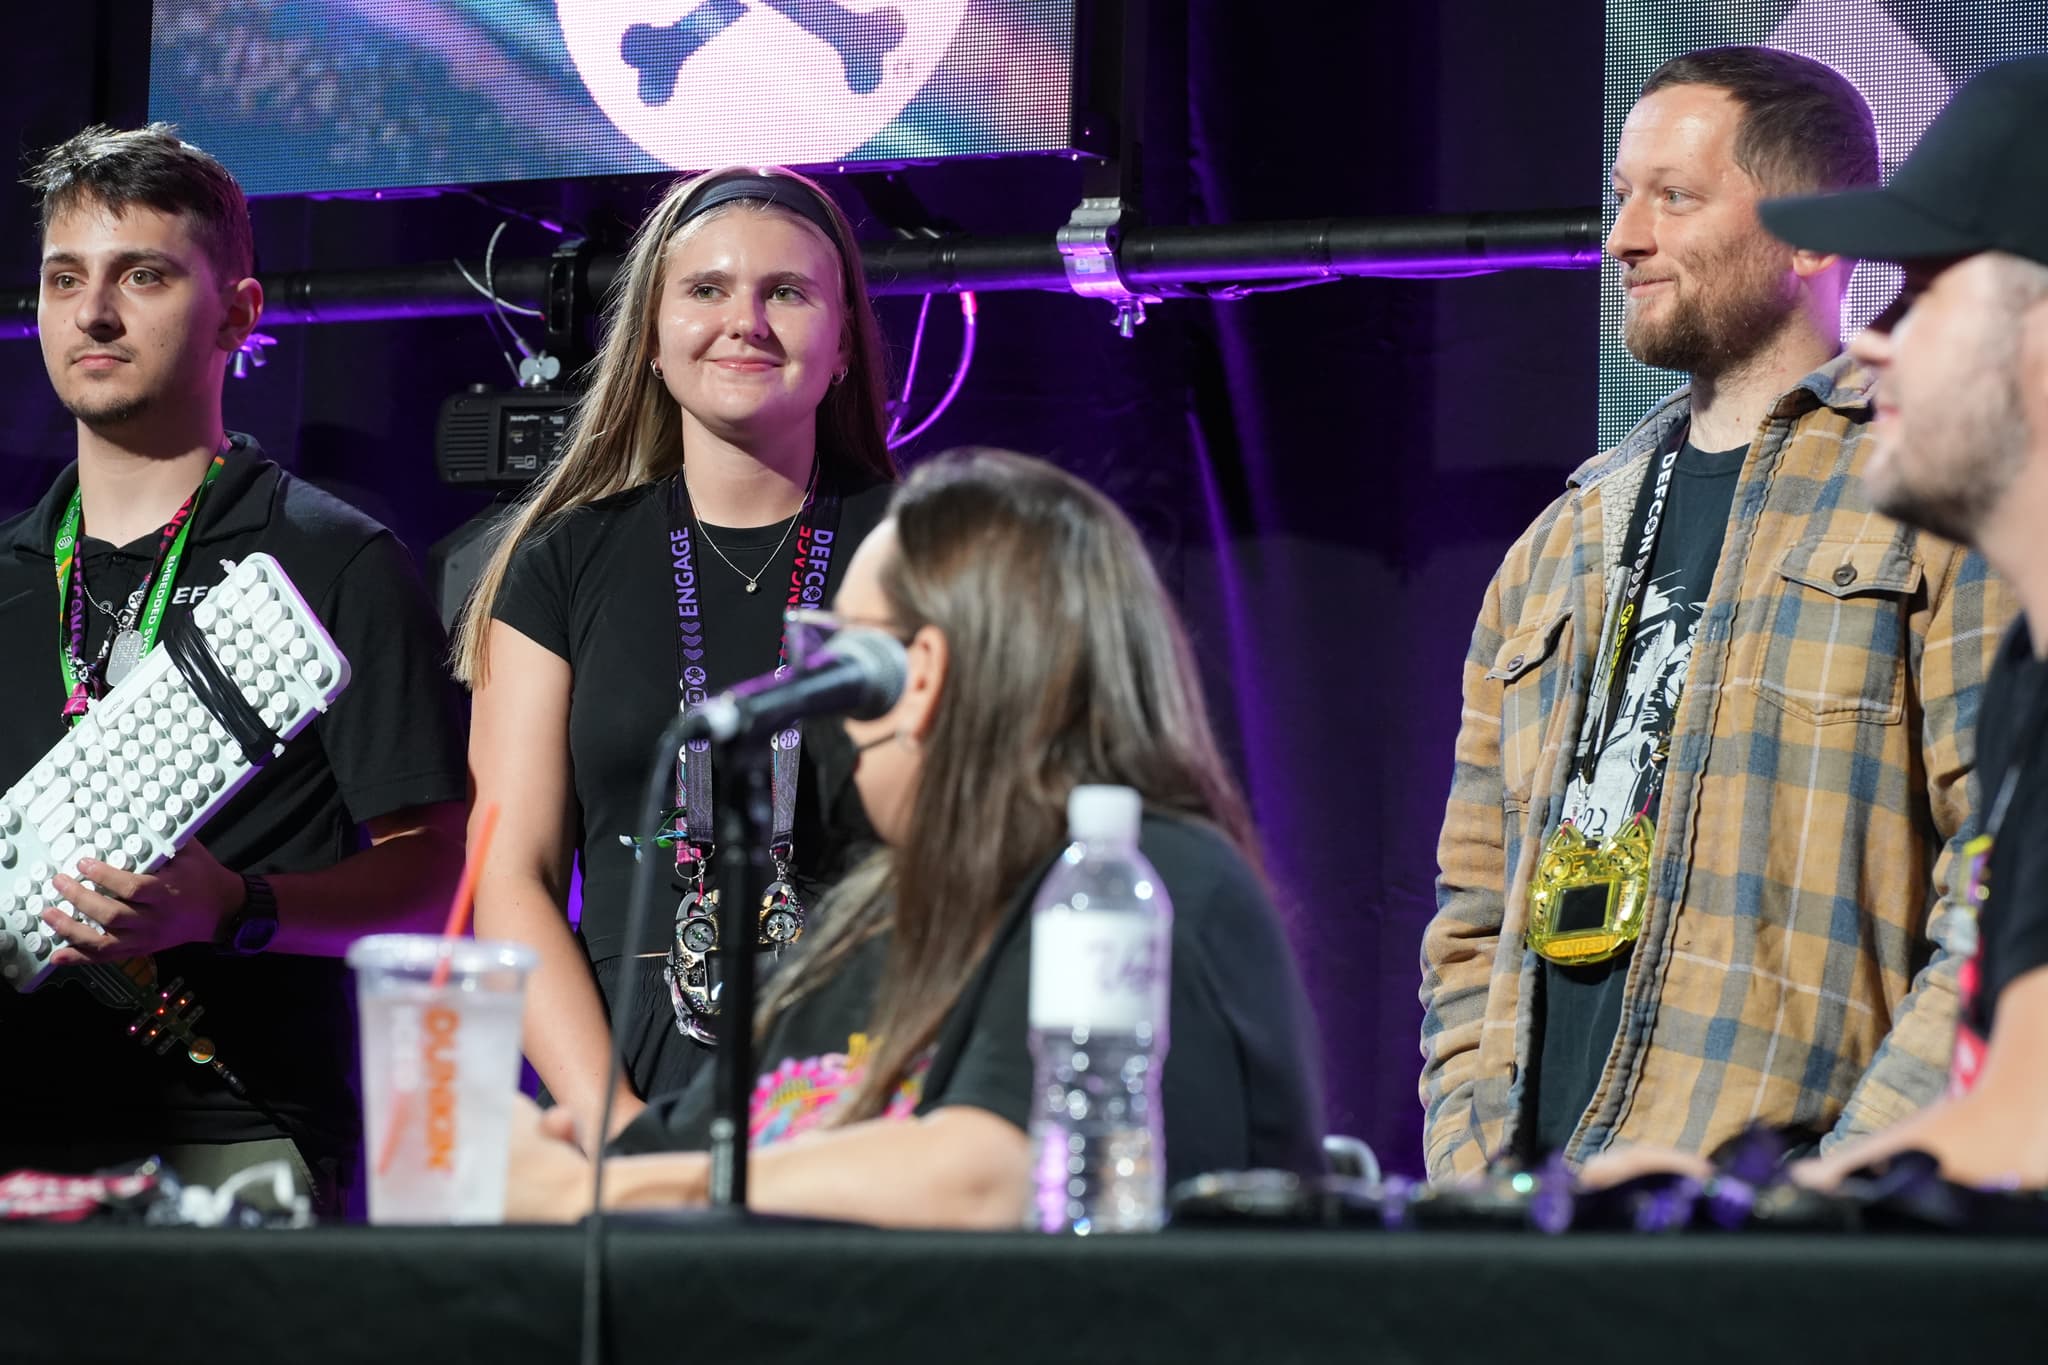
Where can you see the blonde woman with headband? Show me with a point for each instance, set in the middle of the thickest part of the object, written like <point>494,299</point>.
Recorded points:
<point>729,457</point>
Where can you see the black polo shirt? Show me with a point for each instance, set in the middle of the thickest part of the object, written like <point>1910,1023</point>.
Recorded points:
<point>394,739</point>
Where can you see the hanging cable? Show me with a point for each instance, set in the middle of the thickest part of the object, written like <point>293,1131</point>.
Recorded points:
<point>902,403</point>
<point>968,324</point>
<point>488,285</point>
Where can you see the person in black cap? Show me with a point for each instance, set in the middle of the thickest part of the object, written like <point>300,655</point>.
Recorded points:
<point>145,293</point>
<point>1962,433</point>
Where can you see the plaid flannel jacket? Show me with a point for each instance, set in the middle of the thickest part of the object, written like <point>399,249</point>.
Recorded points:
<point>1793,966</point>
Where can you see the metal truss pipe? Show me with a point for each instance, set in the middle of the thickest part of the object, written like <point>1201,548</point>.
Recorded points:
<point>1169,261</point>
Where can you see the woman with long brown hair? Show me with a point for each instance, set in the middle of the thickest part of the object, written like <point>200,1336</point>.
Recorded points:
<point>728,457</point>
<point>1043,655</point>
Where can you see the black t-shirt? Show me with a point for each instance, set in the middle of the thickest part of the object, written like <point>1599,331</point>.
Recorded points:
<point>1239,1088</point>
<point>2012,738</point>
<point>285,1024</point>
<point>1582,1004</point>
<point>596,588</point>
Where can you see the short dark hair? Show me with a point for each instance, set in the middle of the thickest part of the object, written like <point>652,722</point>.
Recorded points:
<point>150,166</point>
<point>1805,128</point>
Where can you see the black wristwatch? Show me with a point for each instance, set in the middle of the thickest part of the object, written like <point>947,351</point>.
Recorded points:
<point>249,930</point>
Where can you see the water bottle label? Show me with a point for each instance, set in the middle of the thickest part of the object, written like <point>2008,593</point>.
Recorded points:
<point>1106,973</point>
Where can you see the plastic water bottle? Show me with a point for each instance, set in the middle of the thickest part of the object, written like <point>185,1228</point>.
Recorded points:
<point>1101,959</point>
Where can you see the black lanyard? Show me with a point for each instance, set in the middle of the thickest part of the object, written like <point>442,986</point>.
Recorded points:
<point>1645,520</point>
<point>810,567</point>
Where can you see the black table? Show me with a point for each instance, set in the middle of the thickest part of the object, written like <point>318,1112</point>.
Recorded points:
<point>694,1296</point>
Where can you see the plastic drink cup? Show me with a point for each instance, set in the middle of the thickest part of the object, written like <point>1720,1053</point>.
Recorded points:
<point>440,1069</point>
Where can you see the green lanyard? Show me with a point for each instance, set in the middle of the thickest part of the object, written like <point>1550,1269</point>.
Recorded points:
<point>70,614</point>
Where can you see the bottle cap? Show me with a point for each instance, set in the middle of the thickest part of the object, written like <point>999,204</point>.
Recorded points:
<point>1104,814</point>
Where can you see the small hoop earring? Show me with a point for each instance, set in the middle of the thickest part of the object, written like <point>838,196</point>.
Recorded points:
<point>840,377</point>
<point>655,365</point>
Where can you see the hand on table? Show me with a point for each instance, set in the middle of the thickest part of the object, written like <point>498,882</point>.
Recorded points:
<point>1632,1163</point>
<point>184,901</point>
<point>546,1179</point>
<point>580,1127</point>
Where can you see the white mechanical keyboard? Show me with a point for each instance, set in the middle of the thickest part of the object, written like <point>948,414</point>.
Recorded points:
<point>132,782</point>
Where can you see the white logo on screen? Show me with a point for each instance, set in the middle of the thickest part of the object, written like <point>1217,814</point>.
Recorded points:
<point>703,83</point>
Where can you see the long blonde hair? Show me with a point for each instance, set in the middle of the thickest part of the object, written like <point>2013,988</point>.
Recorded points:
<point>627,430</point>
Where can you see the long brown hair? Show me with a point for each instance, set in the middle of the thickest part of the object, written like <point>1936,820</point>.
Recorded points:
<point>627,430</point>
<point>1066,664</point>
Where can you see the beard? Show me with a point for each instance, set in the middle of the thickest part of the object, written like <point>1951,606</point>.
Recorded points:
<point>104,412</point>
<point>1947,473</point>
<point>1735,301</point>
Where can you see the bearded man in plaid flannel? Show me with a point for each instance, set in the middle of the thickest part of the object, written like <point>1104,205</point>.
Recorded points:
<point>1713,770</point>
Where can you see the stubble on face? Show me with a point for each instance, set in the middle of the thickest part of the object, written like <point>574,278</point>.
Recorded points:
<point>1735,299</point>
<point>1963,432</point>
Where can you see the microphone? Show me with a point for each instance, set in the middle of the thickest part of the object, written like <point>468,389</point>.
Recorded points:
<point>859,673</point>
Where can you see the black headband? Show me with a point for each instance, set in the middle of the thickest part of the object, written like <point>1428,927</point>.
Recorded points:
<point>782,191</point>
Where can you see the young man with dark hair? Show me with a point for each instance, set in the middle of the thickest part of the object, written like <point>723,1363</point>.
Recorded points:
<point>357,827</point>
<point>1962,450</point>
<point>1712,772</point>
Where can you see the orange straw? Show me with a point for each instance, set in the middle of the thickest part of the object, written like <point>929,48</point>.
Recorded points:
<point>457,926</point>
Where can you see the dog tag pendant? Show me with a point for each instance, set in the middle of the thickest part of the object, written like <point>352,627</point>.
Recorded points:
<point>127,652</point>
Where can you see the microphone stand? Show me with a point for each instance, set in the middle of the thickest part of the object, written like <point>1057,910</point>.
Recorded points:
<point>742,881</point>
<point>743,876</point>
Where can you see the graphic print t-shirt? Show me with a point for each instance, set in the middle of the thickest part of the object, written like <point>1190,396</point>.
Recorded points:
<point>1582,1004</point>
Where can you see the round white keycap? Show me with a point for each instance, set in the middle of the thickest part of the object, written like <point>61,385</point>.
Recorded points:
<point>148,734</point>
<point>120,823</point>
<point>99,812</point>
<point>24,887</point>
<point>10,817</point>
<point>39,872</point>
<point>152,792</point>
<point>186,760</point>
<point>202,744</point>
<point>135,846</point>
<point>245,672</point>
<point>263,655</point>
<point>245,639</point>
<point>191,791</point>
<point>229,656</point>
<point>127,725</point>
<point>120,858</point>
<point>163,751</point>
<point>208,776</point>
<point>35,905</point>
<point>181,734</point>
<point>40,775</point>
<point>131,750</point>
<point>95,754</point>
<point>6,854</point>
<point>298,650</point>
<point>98,783</point>
<point>267,682</point>
<point>203,615</point>
<point>158,819</point>
<point>35,941</point>
<point>177,807</point>
<point>315,672</point>
<point>247,574</point>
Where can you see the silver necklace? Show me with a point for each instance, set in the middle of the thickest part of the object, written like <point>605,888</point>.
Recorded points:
<point>753,580</point>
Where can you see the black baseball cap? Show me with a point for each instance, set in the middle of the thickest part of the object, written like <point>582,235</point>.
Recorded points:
<point>1977,181</point>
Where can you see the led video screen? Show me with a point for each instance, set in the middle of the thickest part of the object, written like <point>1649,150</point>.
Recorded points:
<point>1906,56</point>
<point>336,95</point>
